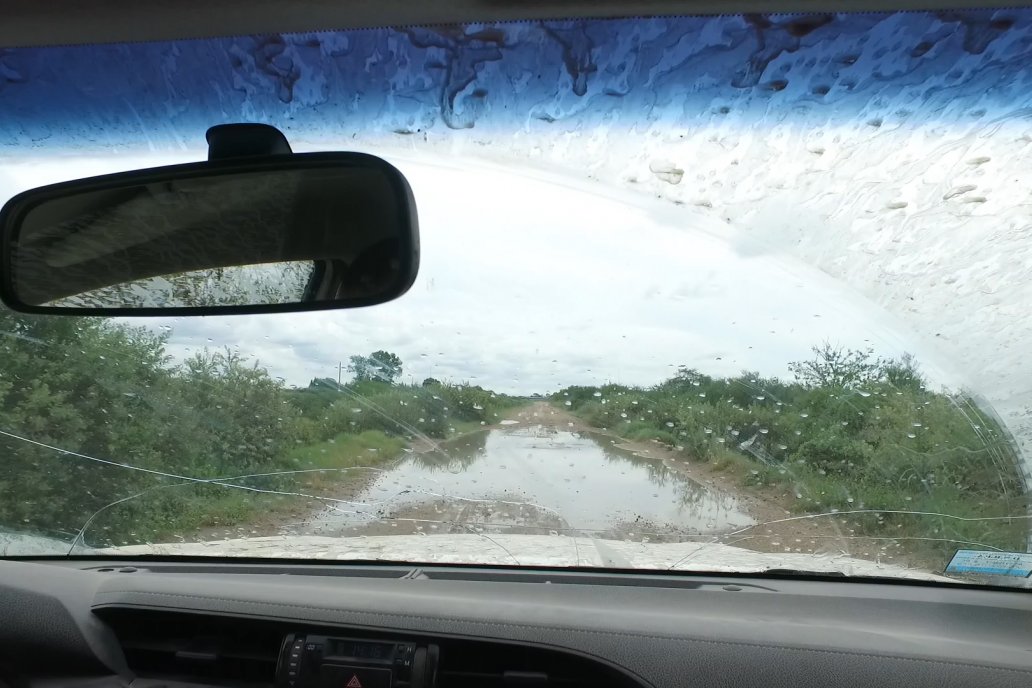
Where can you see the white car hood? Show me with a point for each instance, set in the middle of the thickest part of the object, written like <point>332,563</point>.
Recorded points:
<point>528,550</point>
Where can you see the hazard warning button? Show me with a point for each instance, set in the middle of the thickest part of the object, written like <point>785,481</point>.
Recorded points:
<point>342,676</point>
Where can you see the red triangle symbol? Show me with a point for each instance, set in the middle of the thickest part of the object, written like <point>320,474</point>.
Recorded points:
<point>354,682</point>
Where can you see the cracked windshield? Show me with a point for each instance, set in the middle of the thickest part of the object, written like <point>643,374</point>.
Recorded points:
<point>730,293</point>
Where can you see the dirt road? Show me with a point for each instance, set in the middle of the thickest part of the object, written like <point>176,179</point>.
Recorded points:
<point>769,508</point>
<point>542,470</point>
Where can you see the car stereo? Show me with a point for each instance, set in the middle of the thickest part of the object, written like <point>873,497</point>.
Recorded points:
<point>319,661</point>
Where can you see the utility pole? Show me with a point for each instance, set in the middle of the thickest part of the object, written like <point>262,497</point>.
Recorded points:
<point>340,369</point>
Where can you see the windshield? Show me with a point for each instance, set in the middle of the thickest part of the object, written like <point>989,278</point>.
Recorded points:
<point>732,293</point>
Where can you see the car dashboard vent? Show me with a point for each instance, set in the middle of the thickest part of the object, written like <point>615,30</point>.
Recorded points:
<point>187,647</point>
<point>231,651</point>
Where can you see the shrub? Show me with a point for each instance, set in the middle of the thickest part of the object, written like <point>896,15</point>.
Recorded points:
<point>854,431</point>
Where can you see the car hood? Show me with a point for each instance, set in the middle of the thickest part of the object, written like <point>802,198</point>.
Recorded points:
<point>529,550</point>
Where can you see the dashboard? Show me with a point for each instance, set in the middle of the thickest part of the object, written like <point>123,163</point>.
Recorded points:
<point>168,623</point>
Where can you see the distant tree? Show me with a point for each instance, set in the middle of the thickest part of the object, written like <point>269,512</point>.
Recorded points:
<point>321,383</point>
<point>382,366</point>
<point>431,382</point>
<point>686,377</point>
<point>690,375</point>
<point>903,373</point>
<point>835,366</point>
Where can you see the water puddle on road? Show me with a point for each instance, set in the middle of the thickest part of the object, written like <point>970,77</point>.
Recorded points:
<point>535,480</point>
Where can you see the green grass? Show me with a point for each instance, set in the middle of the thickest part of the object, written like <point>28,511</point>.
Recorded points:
<point>369,447</point>
<point>169,515</point>
<point>642,432</point>
<point>931,540</point>
<point>180,513</point>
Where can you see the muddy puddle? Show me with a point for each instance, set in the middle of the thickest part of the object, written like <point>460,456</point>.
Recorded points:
<point>534,479</point>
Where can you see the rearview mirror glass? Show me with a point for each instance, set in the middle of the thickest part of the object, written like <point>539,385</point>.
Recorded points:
<point>289,232</point>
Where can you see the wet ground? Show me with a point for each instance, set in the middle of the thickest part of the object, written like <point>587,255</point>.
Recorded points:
<point>532,478</point>
<point>542,471</point>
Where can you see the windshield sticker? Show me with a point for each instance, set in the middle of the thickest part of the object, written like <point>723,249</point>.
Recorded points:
<point>991,563</point>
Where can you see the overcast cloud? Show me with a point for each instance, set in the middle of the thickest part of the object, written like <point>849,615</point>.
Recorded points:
<point>527,286</point>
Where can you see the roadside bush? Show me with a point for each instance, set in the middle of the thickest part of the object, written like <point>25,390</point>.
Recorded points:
<point>642,431</point>
<point>409,410</point>
<point>852,432</point>
<point>108,420</point>
<point>470,403</point>
<point>828,452</point>
<point>100,422</point>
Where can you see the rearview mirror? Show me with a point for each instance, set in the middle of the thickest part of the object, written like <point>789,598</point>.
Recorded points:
<point>242,235</point>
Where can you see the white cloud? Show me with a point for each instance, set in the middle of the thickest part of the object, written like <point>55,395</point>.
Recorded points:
<point>526,286</point>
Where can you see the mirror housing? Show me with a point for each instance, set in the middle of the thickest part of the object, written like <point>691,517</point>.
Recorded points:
<point>253,232</point>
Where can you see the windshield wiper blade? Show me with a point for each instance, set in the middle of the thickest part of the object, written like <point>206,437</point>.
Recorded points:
<point>805,572</point>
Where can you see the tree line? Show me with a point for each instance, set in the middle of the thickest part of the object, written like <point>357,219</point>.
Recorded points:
<point>93,411</point>
<point>850,432</point>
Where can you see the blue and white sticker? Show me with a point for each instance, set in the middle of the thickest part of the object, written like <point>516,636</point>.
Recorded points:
<point>991,563</point>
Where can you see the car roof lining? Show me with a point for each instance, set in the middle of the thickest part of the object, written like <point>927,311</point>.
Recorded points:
<point>63,22</point>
